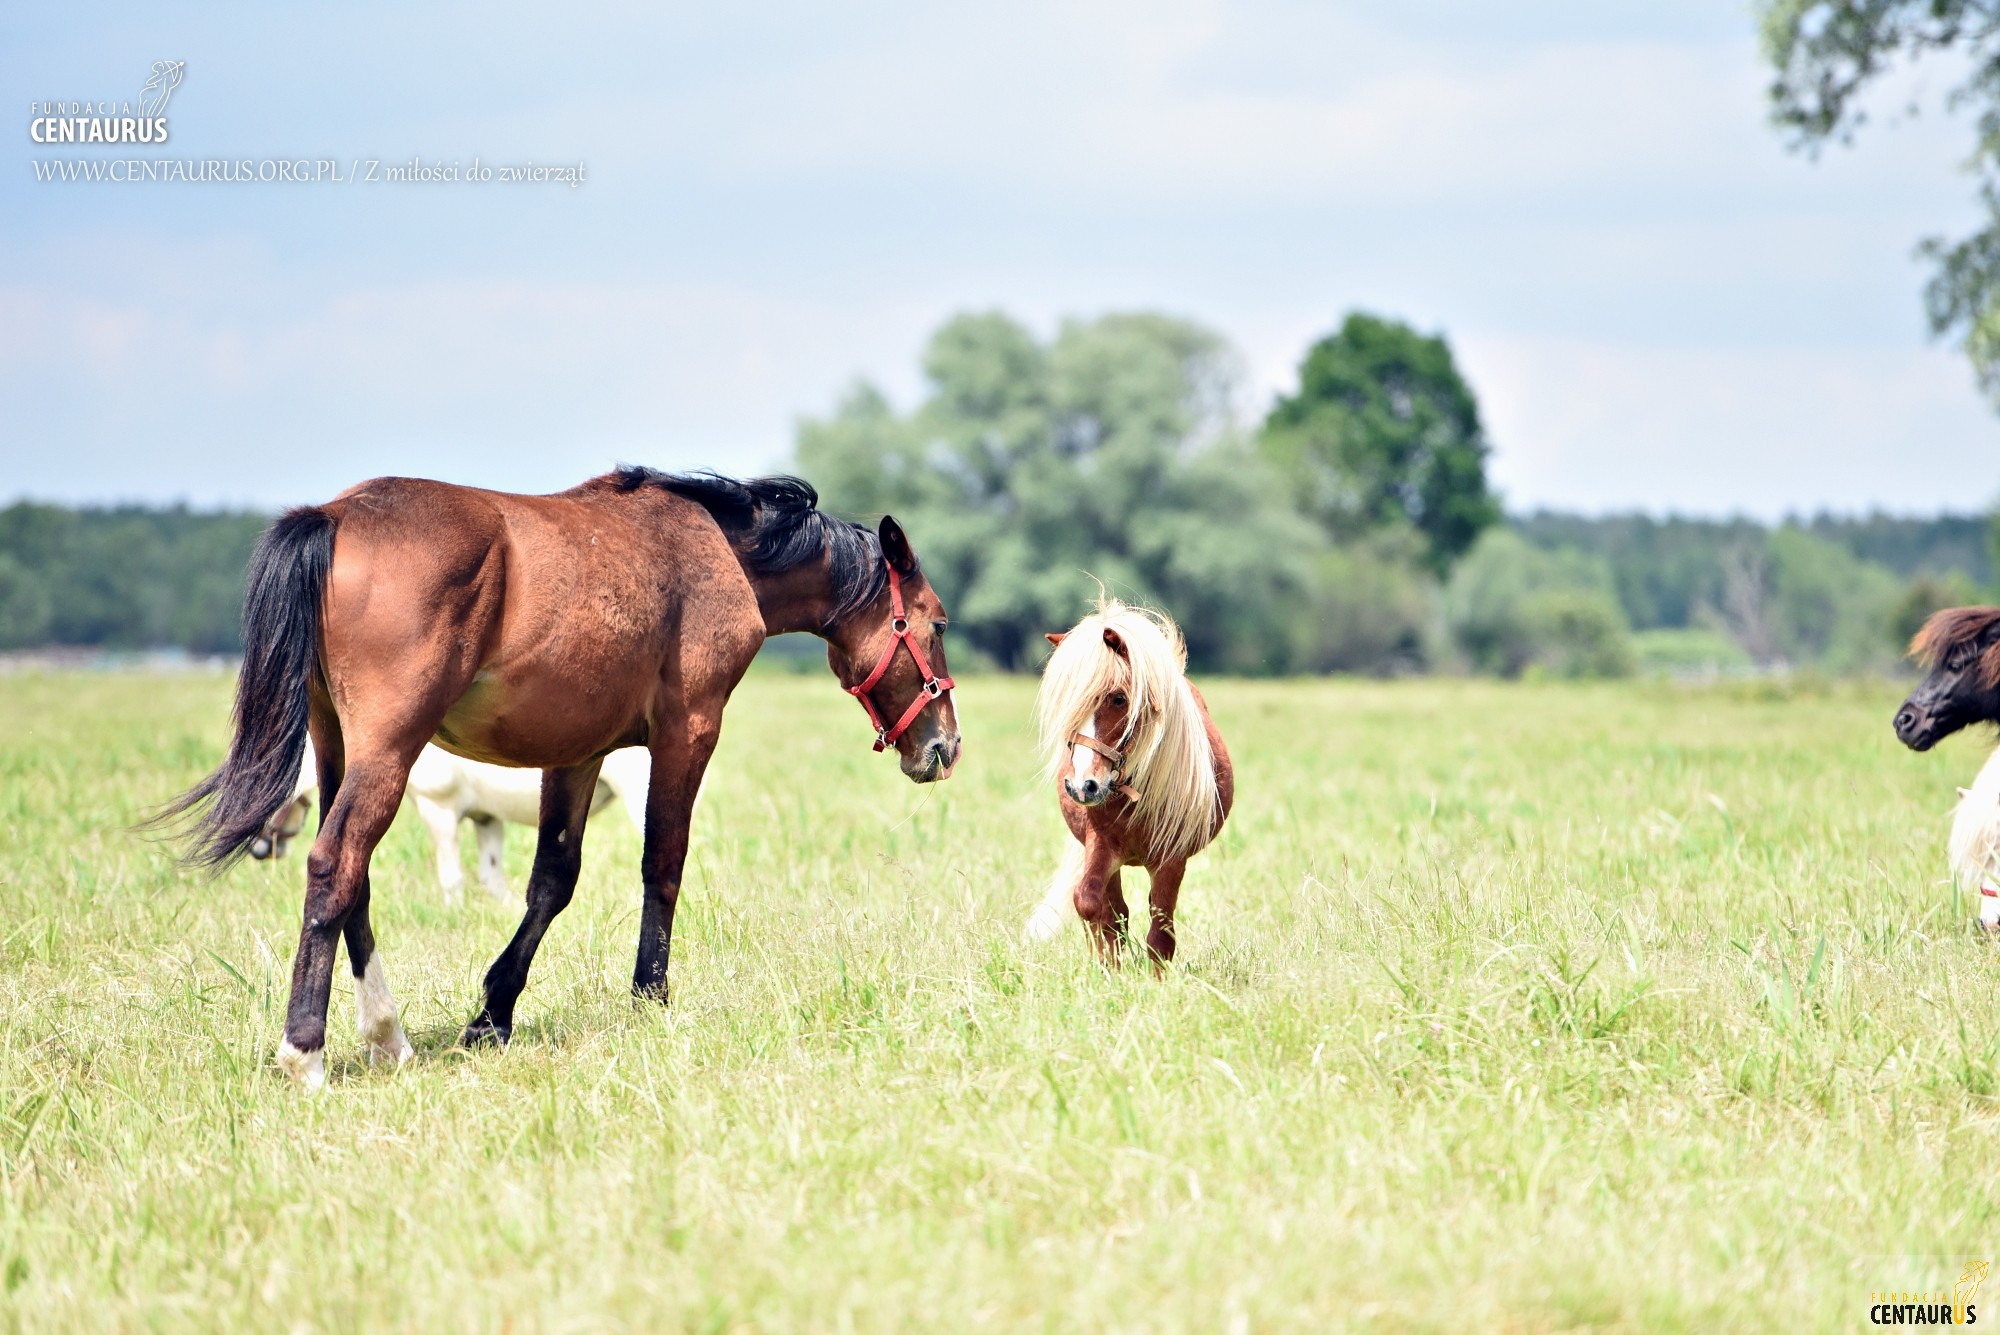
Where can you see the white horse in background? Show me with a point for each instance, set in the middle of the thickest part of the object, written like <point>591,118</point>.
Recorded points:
<point>447,789</point>
<point>1975,841</point>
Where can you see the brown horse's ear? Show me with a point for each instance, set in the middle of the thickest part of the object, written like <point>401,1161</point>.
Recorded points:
<point>1056,636</point>
<point>896,546</point>
<point>1116,641</point>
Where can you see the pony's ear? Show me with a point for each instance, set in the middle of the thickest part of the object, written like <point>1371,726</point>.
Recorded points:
<point>1116,642</point>
<point>1056,636</point>
<point>896,546</point>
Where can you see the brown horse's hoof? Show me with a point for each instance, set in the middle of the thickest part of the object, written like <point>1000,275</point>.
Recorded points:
<point>484,1033</point>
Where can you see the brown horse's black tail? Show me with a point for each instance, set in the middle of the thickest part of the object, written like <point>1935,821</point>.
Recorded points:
<point>281,608</point>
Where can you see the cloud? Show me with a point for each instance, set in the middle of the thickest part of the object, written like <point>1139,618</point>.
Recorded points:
<point>1716,429</point>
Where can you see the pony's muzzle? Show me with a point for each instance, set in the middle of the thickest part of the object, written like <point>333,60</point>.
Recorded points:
<point>1915,728</point>
<point>1087,791</point>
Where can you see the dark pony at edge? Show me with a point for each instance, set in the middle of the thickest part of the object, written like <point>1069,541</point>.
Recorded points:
<point>1961,647</point>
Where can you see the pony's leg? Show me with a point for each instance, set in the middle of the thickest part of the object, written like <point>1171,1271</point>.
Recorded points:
<point>1100,901</point>
<point>678,764</point>
<point>566,797</point>
<point>355,818</point>
<point>442,822</point>
<point>491,833</point>
<point>1165,893</point>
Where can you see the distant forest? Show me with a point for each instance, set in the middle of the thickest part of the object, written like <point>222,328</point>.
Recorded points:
<point>133,577</point>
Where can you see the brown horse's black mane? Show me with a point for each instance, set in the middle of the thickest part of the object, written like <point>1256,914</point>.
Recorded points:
<point>775,523</point>
<point>1956,630</point>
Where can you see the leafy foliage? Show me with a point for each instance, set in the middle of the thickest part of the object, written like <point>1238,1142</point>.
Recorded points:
<point>1510,606</point>
<point>124,577</point>
<point>1033,468</point>
<point>1827,54</point>
<point>1383,431</point>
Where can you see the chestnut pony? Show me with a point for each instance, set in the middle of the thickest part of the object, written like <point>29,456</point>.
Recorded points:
<point>539,632</point>
<point>1141,772</point>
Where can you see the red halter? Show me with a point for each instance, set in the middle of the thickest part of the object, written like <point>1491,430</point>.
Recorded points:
<point>934,685</point>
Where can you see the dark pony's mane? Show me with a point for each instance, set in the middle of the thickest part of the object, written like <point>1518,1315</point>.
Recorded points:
<point>775,524</point>
<point>1954,630</point>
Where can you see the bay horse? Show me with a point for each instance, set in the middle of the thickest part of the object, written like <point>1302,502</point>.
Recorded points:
<point>1961,648</point>
<point>1141,772</point>
<point>539,632</point>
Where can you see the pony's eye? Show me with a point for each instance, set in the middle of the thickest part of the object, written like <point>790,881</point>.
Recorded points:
<point>937,628</point>
<point>1118,699</point>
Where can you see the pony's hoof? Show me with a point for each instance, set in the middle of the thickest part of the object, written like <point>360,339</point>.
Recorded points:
<point>484,1033</point>
<point>307,1069</point>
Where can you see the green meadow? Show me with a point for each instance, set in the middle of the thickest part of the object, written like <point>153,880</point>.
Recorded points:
<point>1501,1007</point>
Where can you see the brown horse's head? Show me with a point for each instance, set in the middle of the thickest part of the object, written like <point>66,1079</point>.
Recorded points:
<point>902,648</point>
<point>1961,645</point>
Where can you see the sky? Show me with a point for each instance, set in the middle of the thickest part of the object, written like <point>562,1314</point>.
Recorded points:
<point>1658,305</point>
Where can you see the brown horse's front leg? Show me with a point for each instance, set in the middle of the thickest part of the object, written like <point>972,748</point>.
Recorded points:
<point>566,795</point>
<point>1165,893</point>
<point>678,764</point>
<point>1099,897</point>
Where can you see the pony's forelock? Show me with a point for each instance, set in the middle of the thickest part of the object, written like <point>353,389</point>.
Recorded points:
<point>1168,759</point>
<point>1948,630</point>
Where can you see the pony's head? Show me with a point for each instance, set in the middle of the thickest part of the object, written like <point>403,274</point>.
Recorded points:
<point>1116,709</point>
<point>1961,646</point>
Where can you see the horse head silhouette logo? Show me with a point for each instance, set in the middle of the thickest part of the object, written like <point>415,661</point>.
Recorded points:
<point>167,75</point>
<point>1968,1285</point>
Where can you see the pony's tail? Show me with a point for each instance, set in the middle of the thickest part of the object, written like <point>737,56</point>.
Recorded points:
<point>281,611</point>
<point>1058,904</point>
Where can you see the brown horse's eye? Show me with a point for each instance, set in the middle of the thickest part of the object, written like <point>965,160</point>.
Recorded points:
<point>1118,699</point>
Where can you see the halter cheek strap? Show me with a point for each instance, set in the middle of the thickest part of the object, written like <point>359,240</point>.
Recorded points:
<point>900,636</point>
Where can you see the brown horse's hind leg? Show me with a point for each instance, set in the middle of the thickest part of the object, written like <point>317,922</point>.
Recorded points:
<point>678,764</point>
<point>1164,895</point>
<point>336,887</point>
<point>566,795</point>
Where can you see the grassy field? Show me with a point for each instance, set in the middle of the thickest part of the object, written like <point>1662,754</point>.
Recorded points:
<point>1500,1007</point>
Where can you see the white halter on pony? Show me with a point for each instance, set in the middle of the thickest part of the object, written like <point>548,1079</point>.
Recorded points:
<point>1165,756</point>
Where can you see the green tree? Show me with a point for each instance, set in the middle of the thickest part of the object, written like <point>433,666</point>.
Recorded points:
<point>1828,53</point>
<point>1384,431</point>
<point>1107,453</point>
<point>1510,606</point>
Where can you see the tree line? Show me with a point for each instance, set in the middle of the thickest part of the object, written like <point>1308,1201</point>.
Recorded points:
<point>1351,529</point>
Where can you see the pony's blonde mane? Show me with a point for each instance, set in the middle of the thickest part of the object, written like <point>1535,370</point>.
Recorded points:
<point>1168,760</point>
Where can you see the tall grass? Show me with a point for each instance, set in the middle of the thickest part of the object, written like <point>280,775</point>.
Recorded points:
<point>1522,1007</point>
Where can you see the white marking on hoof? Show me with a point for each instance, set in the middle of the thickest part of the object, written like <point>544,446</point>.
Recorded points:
<point>307,1069</point>
<point>375,1016</point>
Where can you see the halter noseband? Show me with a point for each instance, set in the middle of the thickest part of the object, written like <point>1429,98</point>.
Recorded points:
<point>1116,780</point>
<point>899,634</point>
